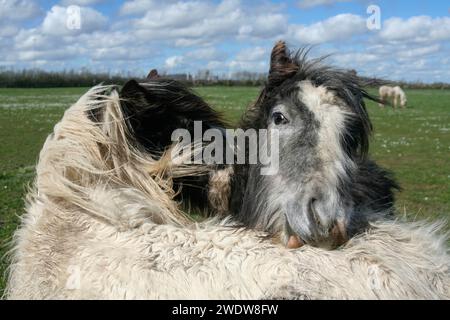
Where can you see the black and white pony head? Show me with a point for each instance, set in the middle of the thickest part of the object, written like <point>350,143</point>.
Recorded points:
<point>326,188</point>
<point>153,110</point>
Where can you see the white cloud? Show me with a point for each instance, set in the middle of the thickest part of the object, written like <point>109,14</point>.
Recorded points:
<point>418,52</point>
<point>119,53</point>
<point>173,61</point>
<point>108,39</point>
<point>8,31</point>
<point>58,21</point>
<point>17,10</point>
<point>223,36</point>
<point>80,2</point>
<point>339,27</point>
<point>137,6</point>
<point>209,53</point>
<point>199,22</point>
<point>49,55</point>
<point>350,59</point>
<point>416,29</point>
<point>52,38</point>
<point>253,54</point>
<point>265,26</point>
<point>175,15</point>
<point>215,65</point>
<point>253,66</point>
<point>34,39</point>
<point>305,4</point>
<point>396,61</point>
<point>254,59</point>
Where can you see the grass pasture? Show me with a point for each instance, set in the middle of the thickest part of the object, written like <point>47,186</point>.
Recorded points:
<point>413,143</point>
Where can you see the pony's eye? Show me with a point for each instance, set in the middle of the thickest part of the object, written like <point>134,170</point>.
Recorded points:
<point>279,118</point>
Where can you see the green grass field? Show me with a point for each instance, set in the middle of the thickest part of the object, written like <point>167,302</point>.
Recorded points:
<point>413,143</point>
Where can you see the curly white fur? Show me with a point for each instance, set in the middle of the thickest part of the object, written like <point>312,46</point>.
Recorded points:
<point>102,223</point>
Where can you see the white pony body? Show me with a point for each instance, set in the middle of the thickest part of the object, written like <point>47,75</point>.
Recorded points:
<point>394,95</point>
<point>102,223</point>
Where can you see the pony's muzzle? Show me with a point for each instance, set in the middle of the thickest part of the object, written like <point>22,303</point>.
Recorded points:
<point>331,232</point>
<point>314,225</point>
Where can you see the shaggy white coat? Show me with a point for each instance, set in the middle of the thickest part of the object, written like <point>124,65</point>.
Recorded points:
<point>101,223</point>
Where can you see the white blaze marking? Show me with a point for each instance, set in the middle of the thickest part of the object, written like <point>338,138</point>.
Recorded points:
<point>325,107</point>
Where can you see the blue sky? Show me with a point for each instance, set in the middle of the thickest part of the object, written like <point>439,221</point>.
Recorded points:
<point>225,36</point>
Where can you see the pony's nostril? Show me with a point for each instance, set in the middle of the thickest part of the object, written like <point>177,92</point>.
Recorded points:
<point>339,233</point>
<point>313,211</point>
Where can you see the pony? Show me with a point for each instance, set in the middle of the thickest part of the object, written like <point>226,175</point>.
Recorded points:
<point>104,220</point>
<point>155,109</point>
<point>392,94</point>
<point>327,189</point>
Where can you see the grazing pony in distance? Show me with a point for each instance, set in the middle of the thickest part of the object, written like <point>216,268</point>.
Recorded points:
<point>104,218</point>
<point>393,95</point>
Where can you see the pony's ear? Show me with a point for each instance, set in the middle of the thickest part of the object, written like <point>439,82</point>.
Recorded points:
<point>153,74</point>
<point>282,65</point>
<point>134,97</point>
<point>132,90</point>
<point>136,107</point>
<point>153,111</point>
<point>148,116</point>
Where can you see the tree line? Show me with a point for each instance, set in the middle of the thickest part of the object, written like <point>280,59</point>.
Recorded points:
<point>36,78</point>
<point>48,79</point>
